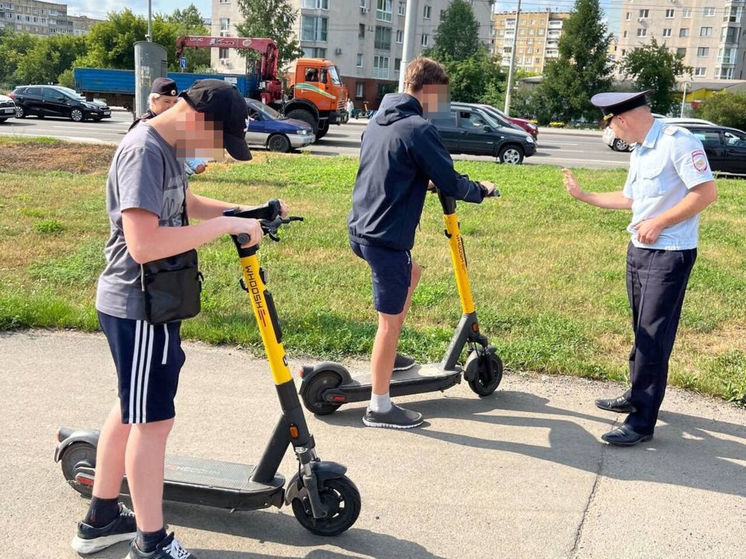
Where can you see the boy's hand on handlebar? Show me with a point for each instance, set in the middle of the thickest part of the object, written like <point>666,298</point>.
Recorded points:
<point>490,186</point>
<point>284,208</point>
<point>251,227</point>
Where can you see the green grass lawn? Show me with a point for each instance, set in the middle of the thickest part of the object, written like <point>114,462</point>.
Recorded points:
<point>547,272</point>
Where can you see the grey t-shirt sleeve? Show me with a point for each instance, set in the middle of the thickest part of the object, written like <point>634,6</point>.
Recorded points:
<point>140,174</point>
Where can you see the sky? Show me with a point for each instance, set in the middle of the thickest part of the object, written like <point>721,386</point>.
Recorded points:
<point>99,8</point>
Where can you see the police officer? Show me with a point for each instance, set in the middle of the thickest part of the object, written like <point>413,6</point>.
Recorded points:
<point>163,96</point>
<point>668,184</point>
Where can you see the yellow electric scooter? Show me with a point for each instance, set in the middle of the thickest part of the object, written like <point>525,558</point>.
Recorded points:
<point>323,498</point>
<point>328,385</point>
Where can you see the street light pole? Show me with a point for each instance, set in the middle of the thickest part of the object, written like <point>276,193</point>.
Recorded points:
<point>683,100</point>
<point>512,60</point>
<point>410,26</point>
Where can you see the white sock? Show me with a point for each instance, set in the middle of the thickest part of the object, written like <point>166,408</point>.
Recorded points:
<point>379,403</point>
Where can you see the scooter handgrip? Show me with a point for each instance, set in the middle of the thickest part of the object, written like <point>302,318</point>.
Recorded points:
<point>243,238</point>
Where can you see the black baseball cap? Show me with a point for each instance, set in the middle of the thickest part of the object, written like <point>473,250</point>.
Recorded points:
<point>221,102</point>
<point>164,86</point>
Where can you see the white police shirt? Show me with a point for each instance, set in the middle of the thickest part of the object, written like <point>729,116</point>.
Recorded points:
<point>662,169</point>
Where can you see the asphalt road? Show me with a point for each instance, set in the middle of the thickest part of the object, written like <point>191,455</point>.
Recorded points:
<point>555,147</point>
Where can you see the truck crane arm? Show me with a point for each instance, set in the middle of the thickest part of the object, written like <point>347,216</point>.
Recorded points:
<point>266,47</point>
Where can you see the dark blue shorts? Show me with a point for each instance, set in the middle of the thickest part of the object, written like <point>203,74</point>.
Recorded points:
<point>391,271</point>
<point>148,360</point>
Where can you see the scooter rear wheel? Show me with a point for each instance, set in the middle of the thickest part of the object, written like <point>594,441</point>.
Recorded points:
<point>78,455</point>
<point>343,501</point>
<point>488,374</point>
<point>313,395</point>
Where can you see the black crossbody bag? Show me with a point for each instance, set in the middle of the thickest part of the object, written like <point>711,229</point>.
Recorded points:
<point>172,286</point>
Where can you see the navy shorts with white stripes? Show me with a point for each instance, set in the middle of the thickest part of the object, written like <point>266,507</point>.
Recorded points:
<point>148,359</point>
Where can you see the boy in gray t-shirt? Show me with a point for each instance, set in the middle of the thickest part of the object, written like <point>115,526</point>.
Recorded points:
<point>146,197</point>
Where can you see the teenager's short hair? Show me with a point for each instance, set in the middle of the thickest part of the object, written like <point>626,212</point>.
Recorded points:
<point>424,71</point>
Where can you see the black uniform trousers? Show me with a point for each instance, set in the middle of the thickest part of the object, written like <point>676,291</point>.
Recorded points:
<point>656,284</point>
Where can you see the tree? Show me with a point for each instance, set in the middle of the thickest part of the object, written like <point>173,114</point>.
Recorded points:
<point>189,21</point>
<point>475,79</point>
<point>475,75</point>
<point>48,58</point>
<point>271,19</point>
<point>457,36</point>
<point>653,66</point>
<point>581,70</point>
<point>13,47</point>
<point>111,43</point>
<point>726,109</point>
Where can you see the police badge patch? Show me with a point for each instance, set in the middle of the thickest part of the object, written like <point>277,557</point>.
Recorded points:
<point>699,160</point>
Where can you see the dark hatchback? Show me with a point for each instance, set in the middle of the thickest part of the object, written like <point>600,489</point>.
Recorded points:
<point>725,147</point>
<point>470,131</point>
<point>56,101</point>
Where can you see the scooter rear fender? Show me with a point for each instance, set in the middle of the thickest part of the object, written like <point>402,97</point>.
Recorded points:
<point>310,371</point>
<point>323,472</point>
<point>67,436</point>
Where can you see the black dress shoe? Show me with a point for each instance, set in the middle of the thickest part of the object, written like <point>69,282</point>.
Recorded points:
<point>625,436</point>
<point>619,405</point>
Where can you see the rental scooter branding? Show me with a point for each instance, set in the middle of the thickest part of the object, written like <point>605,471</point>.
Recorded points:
<point>256,296</point>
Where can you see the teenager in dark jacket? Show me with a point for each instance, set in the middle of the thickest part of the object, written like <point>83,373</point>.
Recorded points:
<point>400,155</point>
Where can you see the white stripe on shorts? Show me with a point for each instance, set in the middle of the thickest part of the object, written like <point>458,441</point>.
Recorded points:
<point>165,345</point>
<point>147,374</point>
<point>133,371</point>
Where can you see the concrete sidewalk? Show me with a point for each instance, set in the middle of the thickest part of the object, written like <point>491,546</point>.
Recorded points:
<point>520,474</point>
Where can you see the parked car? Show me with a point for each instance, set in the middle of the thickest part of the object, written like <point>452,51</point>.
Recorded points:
<point>468,129</point>
<point>502,119</point>
<point>56,100</point>
<point>268,128</point>
<point>7,108</point>
<point>679,121</point>
<point>617,144</point>
<point>521,123</point>
<point>725,147</point>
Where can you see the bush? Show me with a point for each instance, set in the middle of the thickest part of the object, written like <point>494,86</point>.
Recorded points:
<point>726,109</point>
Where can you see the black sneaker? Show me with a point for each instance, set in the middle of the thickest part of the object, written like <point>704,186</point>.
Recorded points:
<point>403,362</point>
<point>395,418</point>
<point>169,548</point>
<point>90,539</point>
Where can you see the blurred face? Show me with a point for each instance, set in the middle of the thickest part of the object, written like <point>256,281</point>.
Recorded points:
<point>199,137</point>
<point>162,103</point>
<point>619,125</point>
<point>435,99</point>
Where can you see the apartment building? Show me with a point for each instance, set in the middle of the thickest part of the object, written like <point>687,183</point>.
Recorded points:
<point>364,38</point>
<point>536,42</point>
<point>708,33</point>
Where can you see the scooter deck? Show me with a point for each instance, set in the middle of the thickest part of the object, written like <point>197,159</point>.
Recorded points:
<point>428,377</point>
<point>218,484</point>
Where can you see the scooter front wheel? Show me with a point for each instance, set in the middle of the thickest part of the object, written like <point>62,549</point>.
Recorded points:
<point>487,375</point>
<point>77,457</point>
<point>342,500</point>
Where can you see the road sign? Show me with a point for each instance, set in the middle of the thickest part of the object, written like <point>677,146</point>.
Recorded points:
<point>182,62</point>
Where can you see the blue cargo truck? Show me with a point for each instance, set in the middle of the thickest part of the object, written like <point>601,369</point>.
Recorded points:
<point>117,87</point>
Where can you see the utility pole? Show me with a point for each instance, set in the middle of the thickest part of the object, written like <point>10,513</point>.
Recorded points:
<point>410,26</point>
<point>149,36</point>
<point>512,61</point>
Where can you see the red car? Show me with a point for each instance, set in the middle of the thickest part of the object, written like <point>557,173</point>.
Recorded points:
<point>520,122</point>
